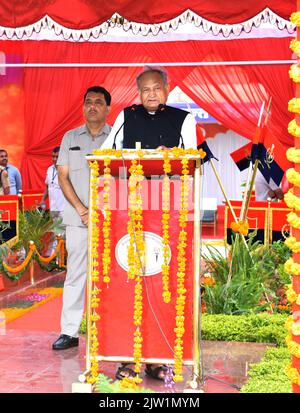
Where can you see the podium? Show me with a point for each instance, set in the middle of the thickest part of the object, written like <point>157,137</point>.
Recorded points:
<point>110,307</point>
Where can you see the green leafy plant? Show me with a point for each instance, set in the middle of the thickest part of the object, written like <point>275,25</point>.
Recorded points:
<point>269,376</point>
<point>82,328</point>
<point>239,277</point>
<point>106,385</point>
<point>33,225</point>
<point>250,277</point>
<point>259,328</point>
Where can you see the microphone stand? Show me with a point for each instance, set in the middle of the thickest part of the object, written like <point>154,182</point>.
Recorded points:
<point>132,110</point>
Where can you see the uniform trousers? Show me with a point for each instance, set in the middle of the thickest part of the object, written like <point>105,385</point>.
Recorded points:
<point>75,282</point>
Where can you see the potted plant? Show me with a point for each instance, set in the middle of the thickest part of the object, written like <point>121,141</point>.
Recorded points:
<point>34,226</point>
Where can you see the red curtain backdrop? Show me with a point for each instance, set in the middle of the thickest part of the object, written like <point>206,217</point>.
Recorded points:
<point>232,94</point>
<point>81,14</point>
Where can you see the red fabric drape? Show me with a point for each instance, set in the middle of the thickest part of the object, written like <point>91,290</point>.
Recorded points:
<point>54,97</point>
<point>81,14</point>
<point>232,94</point>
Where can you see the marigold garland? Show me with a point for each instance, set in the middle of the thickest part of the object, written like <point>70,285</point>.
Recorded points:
<point>288,323</point>
<point>293,347</point>
<point>294,129</point>
<point>292,200</point>
<point>292,267</point>
<point>294,105</point>
<point>175,152</point>
<point>293,176</point>
<point>293,374</point>
<point>292,244</point>
<point>294,73</point>
<point>293,155</point>
<point>293,219</point>
<point>136,252</point>
<point>181,273</point>
<point>106,255</point>
<point>295,18</point>
<point>33,254</point>
<point>95,299</point>
<point>291,294</point>
<point>295,46</point>
<point>165,268</point>
<point>296,329</point>
<point>241,227</point>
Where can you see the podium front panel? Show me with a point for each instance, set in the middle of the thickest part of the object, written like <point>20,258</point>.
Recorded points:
<point>116,328</point>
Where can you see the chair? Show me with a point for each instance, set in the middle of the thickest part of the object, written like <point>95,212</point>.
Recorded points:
<point>210,212</point>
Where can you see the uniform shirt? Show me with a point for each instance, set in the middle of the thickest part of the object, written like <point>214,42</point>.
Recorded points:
<point>262,187</point>
<point>56,196</point>
<point>76,144</point>
<point>15,179</point>
<point>153,129</point>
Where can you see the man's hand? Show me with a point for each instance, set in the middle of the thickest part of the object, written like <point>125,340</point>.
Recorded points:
<point>271,194</point>
<point>84,214</point>
<point>279,193</point>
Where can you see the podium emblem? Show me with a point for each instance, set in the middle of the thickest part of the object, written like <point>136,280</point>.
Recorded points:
<point>154,253</point>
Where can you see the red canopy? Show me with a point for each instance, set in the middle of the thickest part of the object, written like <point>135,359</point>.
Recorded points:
<point>80,14</point>
<point>38,105</point>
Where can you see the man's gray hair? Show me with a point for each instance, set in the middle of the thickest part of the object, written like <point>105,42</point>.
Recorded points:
<point>153,69</point>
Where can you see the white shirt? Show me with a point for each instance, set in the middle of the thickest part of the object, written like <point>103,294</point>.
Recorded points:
<point>56,197</point>
<point>262,187</point>
<point>188,133</point>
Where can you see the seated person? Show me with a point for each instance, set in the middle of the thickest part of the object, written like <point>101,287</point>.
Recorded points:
<point>265,190</point>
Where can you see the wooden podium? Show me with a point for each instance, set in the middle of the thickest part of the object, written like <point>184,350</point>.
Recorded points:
<point>115,328</point>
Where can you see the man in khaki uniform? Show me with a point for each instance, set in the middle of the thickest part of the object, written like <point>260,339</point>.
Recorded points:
<point>73,176</point>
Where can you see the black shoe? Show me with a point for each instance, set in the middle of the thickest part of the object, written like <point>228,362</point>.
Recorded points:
<point>63,342</point>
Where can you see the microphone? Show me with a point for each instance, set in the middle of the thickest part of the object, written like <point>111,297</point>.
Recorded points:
<point>162,108</point>
<point>132,110</point>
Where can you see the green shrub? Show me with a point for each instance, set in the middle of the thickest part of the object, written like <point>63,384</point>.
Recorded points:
<point>240,278</point>
<point>269,376</point>
<point>260,328</point>
<point>106,385</point>
<point>82,328</point>
<point>250,277</point>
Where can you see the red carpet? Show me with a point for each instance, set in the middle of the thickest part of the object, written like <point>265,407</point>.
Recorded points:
<point>29,365</point>
<point>44,318</point>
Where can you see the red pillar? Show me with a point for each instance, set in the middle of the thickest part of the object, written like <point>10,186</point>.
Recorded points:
<point>296,233</point>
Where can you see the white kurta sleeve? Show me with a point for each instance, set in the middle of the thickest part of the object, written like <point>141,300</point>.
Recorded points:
<point>188,132</point>
<point>108,143</point>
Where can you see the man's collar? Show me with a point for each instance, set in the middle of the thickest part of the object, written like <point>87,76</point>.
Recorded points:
<point>84,129</point>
